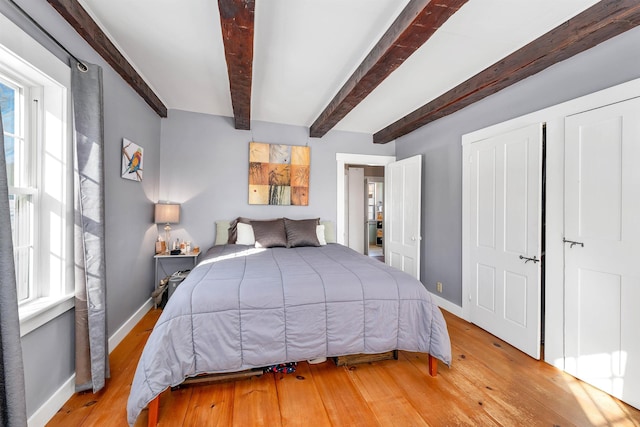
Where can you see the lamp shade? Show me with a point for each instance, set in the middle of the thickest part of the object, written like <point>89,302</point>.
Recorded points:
<point>167,213</point>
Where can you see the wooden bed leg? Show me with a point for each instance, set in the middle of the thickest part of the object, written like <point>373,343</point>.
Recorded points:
<point>154,409</point>
<point>433,366</point>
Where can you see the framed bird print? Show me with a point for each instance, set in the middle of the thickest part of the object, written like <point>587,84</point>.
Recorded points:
<point>132,157</point>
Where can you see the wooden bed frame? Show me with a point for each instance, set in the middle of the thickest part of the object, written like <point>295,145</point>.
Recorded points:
<point>154,405</point>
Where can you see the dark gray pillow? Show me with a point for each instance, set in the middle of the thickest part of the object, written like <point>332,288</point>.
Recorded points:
<point>302,232</point>
<point>269,234</point>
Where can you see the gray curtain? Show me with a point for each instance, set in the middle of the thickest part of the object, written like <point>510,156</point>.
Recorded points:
<point>92,354</point>
<point>13,408</point>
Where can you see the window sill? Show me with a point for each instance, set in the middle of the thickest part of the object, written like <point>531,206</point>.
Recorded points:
<point>42,310</point>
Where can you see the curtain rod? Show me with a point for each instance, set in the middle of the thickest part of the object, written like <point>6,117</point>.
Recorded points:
<point>81,66</point>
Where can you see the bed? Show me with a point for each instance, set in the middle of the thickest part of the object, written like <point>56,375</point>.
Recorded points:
<point>245,307</point>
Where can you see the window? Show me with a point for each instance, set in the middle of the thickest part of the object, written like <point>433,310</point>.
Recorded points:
<point>374,201</point>
<point>33,100</point>
<point>20,174</point>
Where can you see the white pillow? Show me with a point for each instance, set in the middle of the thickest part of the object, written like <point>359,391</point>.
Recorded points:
<point>329,231</point>
<point>245,235</point>
<point>222,232</point>
<point>320,234</point>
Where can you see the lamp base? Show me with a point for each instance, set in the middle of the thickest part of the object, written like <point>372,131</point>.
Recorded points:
<point>167,236</point>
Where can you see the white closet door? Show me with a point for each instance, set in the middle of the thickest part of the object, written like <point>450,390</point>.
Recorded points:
<point>504,246</point>
<point>602,251</point>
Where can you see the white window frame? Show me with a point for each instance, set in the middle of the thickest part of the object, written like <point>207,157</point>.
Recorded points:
<point>46,79</point>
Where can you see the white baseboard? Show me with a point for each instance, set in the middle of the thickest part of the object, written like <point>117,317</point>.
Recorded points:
<point>122,332</point>
<point>44,413</point>
<point>448,305</point>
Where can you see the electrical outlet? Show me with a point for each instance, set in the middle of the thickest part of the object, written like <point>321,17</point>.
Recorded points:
<point>439,287</point>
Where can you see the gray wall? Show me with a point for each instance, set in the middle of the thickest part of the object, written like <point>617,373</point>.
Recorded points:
<point>205,167</point>
<point>613,62</point>
<point>48,351</point>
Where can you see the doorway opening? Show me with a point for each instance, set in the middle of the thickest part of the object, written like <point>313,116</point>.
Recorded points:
<point>342,192</point>
<point>375,213</point>
<point>365,209</point>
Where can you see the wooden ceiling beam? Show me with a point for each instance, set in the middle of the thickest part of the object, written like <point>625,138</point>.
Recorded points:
<point>82,22</point>
<point>419,20</point>
<point>237,21</point>
<point>604,20</point>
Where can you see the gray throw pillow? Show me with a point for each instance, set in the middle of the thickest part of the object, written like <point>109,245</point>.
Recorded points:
<point>269,234</point>
<point>302,232</point>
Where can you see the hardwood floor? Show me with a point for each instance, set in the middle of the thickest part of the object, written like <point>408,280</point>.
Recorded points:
<point>489,384</point>
<point>376,252</point>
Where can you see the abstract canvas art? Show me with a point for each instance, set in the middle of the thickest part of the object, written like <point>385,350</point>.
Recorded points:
<point>132,166</point>
<point>278,174</point>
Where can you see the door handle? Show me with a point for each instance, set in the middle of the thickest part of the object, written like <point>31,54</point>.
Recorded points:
<point>573,243</point>
<point>534,259</point>
<point>414,238</point>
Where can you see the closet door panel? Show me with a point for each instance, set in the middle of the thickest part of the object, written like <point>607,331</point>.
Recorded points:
<point>602,248</point>
<point>504,238</point>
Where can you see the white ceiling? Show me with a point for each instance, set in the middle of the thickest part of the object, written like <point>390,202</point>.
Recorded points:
<point>304,50</point>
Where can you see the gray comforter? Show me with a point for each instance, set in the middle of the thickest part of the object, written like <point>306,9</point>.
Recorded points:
<point>243,308</point>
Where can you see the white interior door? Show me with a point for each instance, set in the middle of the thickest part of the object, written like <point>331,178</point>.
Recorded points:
<point>357,215</point>
<point>602,248</point>
<point>402,195</point>
<point>504,247</point>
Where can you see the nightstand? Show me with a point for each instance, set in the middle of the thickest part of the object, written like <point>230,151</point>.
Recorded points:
<point>193,257</point>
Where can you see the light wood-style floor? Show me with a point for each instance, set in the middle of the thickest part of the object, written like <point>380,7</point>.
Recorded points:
<point>489,384</point>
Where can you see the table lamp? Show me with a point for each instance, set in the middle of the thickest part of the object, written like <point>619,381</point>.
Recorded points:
<point>167,213</point>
